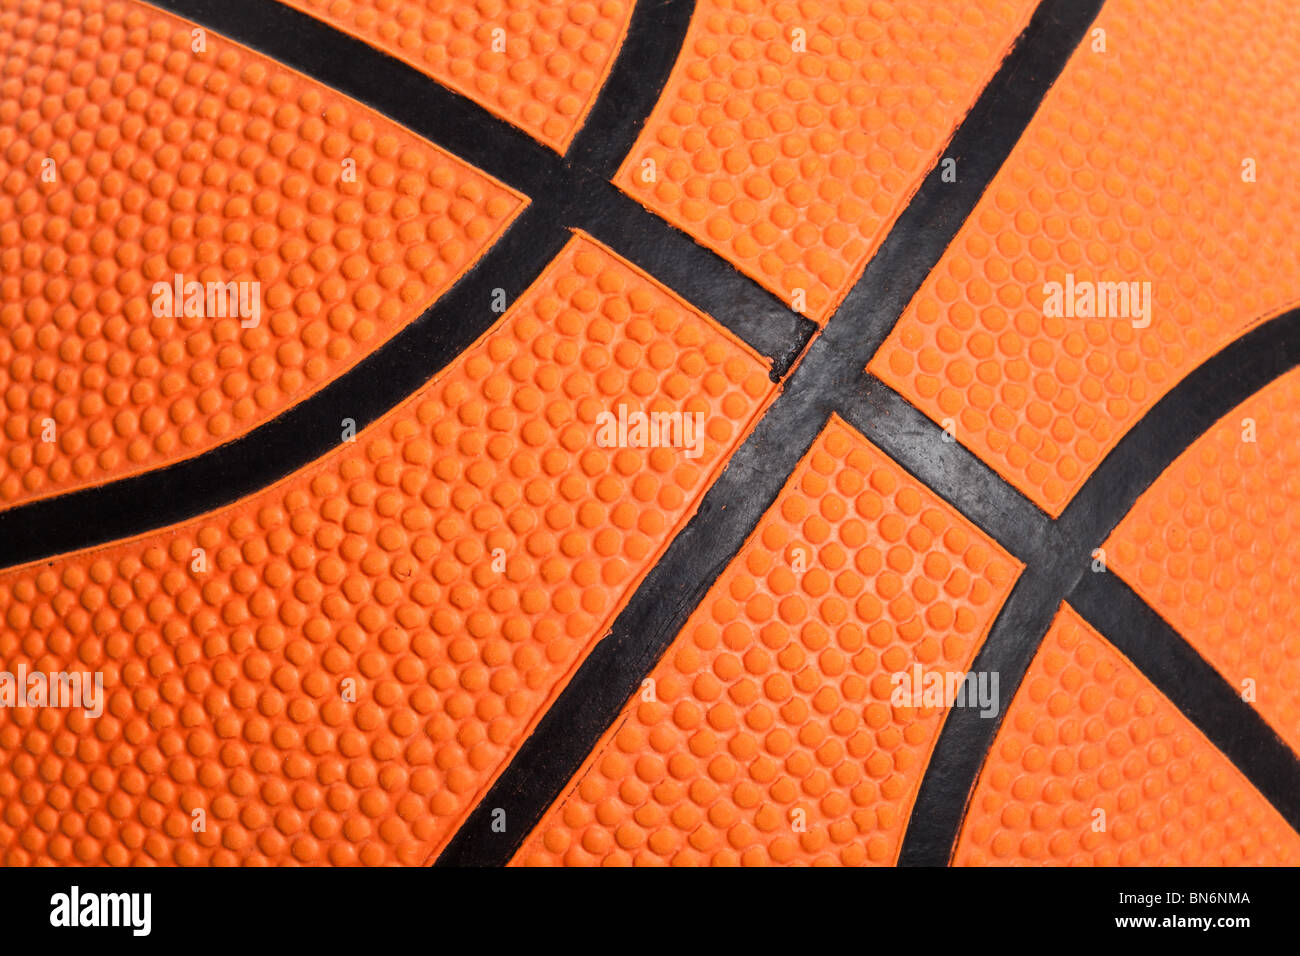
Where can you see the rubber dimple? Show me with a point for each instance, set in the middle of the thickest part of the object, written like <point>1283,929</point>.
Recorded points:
<point>789,136</point>
<point>538,64</point>
<point>133,152</point>
<point>1151,160</point>
<point>767,733</point>
<point>1214,546</point>
<point>334,669</point>
<point>1093,766</point>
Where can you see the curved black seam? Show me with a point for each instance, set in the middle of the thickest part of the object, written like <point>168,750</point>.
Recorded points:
<point>655,34</point>
<point>386,84</point>
<point>1113,609</point>
<point>1146,450</point>
<point>301,434</point>
<point>832,368</point>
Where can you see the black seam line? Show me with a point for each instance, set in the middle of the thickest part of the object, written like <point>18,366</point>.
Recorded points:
<point>306,431</point>
<point>1192,685</point>
<point>1173,424</point>
<point>729,512</point>
<point>698,274</point>
<point>958,476</point>
<point>382,82</point>
<point>576,185</point>
<point>598,691</point>
<point>655,35</point>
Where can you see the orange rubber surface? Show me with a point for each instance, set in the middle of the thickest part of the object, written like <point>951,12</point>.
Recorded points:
<point>376,564</point>
<point>219,166</point>
<point>793,165</point>
<point>1214,546</point>
<point>535,63</point>
<point>1132,170</point>
<point>776,696</point>
<point>1087,732</point>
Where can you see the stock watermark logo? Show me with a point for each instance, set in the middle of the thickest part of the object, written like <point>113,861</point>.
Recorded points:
<point>54,689</point>
<point>1085,299</point>
<point>212,300</point>
<point>630,429</point>
<point>921,688</point>
<point>74,909</point>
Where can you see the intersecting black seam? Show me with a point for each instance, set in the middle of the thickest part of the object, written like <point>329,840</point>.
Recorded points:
<point>1064,557</point>
<point>881,414</point>
<point>575,186</point>
<point>832,366</point>
<point>306,431</point>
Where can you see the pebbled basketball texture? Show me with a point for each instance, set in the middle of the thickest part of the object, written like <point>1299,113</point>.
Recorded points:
<point>604,432</point>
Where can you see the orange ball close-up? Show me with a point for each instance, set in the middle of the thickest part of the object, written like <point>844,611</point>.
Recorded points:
<point>704,433</point>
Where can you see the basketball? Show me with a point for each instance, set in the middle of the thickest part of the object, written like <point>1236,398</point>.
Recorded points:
<point>512,433</point>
